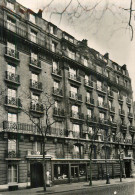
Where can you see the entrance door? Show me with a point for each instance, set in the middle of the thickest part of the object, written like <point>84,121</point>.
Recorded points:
<point>127,169</point>
<point>75,173</point>
<point>36,170</point>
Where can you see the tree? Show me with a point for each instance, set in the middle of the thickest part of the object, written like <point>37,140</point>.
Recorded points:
<point>42,123</point>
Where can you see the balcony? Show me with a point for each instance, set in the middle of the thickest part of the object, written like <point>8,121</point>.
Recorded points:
<point>123,128</point>
<point>12,54</point>
<point>110,94</point>
<point>36,86</point>
<point>13,103</point>
<point>12,155</point>
<point>37,108</point>
<point>74,78</point>
<point>103,121</point>
<point>35,65</point>
<point>88,83</point>
<point>101,89</point>
<point>128,101</point>
<point>102,105</point>
<point>75,96</point>
<point>19,127</point>
<point>57,73</point>
<point>122,113</point>
<point>55,132</point>
<point>77,115</point>
<point>89,101</point>
<point>132,129</point>
<point>34,153</point>
<point>130,115</point>
<point>57,112</point>
<point>120,98</point>
<point>91,119</point>
<point>112,109</point>
<point>57,92</point>
<point>12,78</point>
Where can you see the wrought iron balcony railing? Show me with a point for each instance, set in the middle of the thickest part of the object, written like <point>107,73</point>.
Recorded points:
<point>77,115</point>
<point>56,132</point>
<point>12,77</point>
<point>75,96</point>
<point>89,100</point>
<point>59,112</point>
<point>88,83</point>
<point>74,77</point>
<point>37,107</point>
<point>56,72</point>
<point>12,101</point>
<point>12,154</point>
<point>35,85</point>
<point>102,105</point>
<point>35,62</point>
<point>57,91</point>
<point>12,53</point>
<point>101,88</point>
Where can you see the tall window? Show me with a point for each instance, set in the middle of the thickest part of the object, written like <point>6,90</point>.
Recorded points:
<point>54,45</point>
<point>11,46</point>
<point>85,61</point>
<point>100,100</point>
<point>33,36</point>
<point>12,117</point>
<point>12,173</point>
<point>56,85</point>
<point>53,30</point>
<point>89,112</point>
<point>71,54</point>
<point>33,58</point>
<point>11,145</point>
<point>11,69</point>
<point>11,24</point>
<point>75,109</point>
<point>11,93</point>
<point>86,78</point>
<point>117,79</point>
<point>35,99</point>
<point>110,103</point>
<point>99,85</point>
<point>32,18</point>
<point>88,96</point>
<point>102,115</point>
<point>76,130</point>
<point>34,77</point>
<point>55,66</point>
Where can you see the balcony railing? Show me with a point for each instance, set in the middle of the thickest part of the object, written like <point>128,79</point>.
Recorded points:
<point>130,115</point>
<point>128,101</point>
<point>57,92</point>
<point>74,77</point>
<point>12,101</point>
<point>56,132</point>
<point>89,100</point>
<point>91,119</point>
<point>56,72</point>
<point>59,112</point>
<point>77,115</point>
<point>35,85</point>
<point>12,154</point>
<point>12,53</point>
<point>12,77</point>
<point>33,153</point>
<point>102,105</point>
<point>122,112</point>
<point>35,62</point>
<point>88,83</point>
<point>75,96</point>
<point>101,88</point>
<point>37,107</point>
<point>120,97</point>
<point>110,93</point>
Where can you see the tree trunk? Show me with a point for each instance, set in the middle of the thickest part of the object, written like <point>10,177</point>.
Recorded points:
<point>44,167</point>
<point>120,170</point>
<point>90,183</point>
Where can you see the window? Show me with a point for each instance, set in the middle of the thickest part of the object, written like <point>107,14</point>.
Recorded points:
<point>99,85</point>
<point>100,100</point>
<point>11,24</point>
<point>86,78</point>
<point>56,85</point>
<point>76,130</point>
<point>89,112</point>
<point>85,61</point>
<point>33,36</point>
<point>11,93</point>
<point>78,151</point>
<point>88,96</point>
<point>33,55</point>
<point>32,18</point>
<point>71,54</point>
<point>117,79</point>
<point>11,46</point>
<point>53,30</point>
<point>90,130</point>
<point>56,104</point>
<point>75,108</point>
<point>11,145</point>
<point>102,115</point>
<point>34,77</point>
<point>55,66</point>
<point>110,103</point>
<point>72,73</point>
<point>125,83</point>
<point>12,173</point>
<point>111,118</point>
<point>12,117</point>
<point>73,92</point>
<point>54,45</point>
<point>120,106</point>
<point>10,6</point>
<point>11,69</point>
<point>35,99</point>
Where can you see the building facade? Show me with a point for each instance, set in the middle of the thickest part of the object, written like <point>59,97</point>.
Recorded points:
<point>89,90</point>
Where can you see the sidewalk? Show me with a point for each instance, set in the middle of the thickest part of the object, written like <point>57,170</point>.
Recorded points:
<point>68,187</point>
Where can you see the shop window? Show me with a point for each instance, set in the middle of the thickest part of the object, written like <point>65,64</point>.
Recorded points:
<point>12,173</point>
<point>61,172</point>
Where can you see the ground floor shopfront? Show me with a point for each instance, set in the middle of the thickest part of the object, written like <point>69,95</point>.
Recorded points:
<point>59,171</point>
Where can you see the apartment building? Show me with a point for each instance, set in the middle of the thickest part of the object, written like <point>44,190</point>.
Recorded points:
<point>90,91</point>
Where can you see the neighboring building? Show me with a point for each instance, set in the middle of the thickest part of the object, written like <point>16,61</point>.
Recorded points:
<point>90,91</point>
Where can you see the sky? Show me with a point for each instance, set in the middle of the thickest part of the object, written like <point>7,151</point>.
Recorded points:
<point>102,22</point>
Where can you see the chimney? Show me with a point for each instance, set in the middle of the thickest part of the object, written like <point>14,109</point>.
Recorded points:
<point>39,14</point>
<point>124,67</point>
<point>106,55</point>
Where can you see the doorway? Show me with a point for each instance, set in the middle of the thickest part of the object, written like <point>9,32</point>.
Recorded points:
<point>75,173</point>
<point>127,169</point>
<point>36,171</point>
